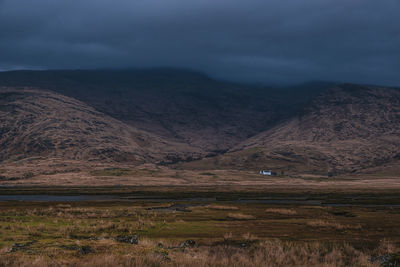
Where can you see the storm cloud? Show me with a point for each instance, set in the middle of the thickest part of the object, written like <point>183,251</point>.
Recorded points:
<point>284,41</point>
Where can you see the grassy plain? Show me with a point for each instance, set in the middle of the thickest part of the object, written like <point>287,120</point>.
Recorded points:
<point>226,231</point>
<point>196,217</point>
<point>58,173</point>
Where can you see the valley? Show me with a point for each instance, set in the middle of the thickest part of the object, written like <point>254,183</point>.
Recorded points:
<point>161,167</point>
<point>189,121</point>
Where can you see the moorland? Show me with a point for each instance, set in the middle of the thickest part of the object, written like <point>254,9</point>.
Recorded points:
<point>160,167</point>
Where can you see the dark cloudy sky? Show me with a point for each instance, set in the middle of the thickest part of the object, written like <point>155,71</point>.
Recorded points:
<point>245,40</point>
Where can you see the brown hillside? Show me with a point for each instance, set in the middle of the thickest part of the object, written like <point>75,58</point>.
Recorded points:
<point>179,105</point>
<point>36,123</point>
<point>346,129</point>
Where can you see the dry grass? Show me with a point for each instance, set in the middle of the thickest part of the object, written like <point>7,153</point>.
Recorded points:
<point>387,246</point>
<point>237,180</point>
<point>249,236</point>
<point>240,216</point>
<point>282,211</point>
<point>228,236</point>
<point>268,253</point>
<point>222,207</point>
<point>236,234</point>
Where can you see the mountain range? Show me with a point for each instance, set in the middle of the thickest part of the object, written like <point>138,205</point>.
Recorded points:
<point>187,119</point>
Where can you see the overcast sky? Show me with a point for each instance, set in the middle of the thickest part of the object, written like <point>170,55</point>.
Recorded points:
<point>245,40</point>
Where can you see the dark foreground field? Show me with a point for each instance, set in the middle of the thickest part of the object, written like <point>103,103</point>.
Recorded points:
<point>182,228</point>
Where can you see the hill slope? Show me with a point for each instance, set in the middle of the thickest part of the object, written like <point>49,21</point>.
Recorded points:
<point>179,105</point>
<point>45,124</point>
<point>348,128</point>
<point>165,115</point>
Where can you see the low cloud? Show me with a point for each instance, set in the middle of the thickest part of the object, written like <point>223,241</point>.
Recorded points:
<point>253,40</point>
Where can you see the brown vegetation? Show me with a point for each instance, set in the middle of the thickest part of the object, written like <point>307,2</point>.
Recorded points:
<point>345,130</point>
<point>269,253</point>
<point>348,129</point>
<point>47,125</point>
<point>222,207</point>
<point>240,234</point>
<point>282,211</point>
<point>240,216</point>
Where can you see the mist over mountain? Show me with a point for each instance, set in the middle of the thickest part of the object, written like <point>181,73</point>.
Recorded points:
<point>250,41</point>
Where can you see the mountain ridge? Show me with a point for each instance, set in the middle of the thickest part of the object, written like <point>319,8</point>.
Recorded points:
<point>182,106</point>
<point>194,121</point>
